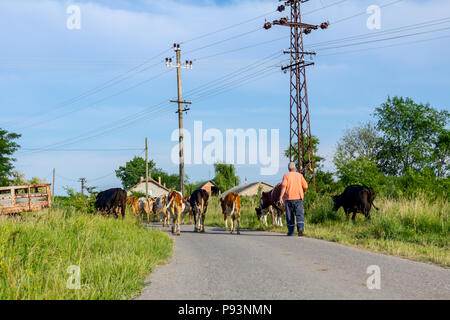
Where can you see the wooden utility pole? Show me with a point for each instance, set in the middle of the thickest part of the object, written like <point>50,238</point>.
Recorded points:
<point>83,182</point>
<point>53,186</point>
<point>180,103</point>
<point>146,168</point>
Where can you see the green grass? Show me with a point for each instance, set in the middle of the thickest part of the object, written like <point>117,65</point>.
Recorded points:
<point>114,256</point>
<point>416,229</point>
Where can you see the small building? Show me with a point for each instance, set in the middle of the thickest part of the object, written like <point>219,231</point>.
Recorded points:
<point>155,188</point>
<point>249,190</point>
<point>210,187</point>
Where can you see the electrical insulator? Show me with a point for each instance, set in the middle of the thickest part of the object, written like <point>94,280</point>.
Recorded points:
<point>324,25</point>
<point>283,20</point>
<point>267,25</point>
<point>307,31</point>
<point>281,8</point>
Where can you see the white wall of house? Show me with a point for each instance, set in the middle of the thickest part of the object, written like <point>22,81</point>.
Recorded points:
<point>153,189</point>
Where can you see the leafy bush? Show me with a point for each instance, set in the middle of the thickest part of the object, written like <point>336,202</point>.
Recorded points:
<point>76,201</point>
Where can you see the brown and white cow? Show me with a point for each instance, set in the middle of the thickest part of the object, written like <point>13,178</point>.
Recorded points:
<point>133,202</point>
<point>231,207</point>
<point>160,210</point>
<point>269,204</point>
<point>146,207</point>
<point>199,205</point>
<point>175,208</point>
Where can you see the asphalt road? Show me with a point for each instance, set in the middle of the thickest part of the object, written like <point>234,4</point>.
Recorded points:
<point>267,266</point>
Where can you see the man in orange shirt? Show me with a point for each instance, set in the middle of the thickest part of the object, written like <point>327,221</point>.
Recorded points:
<point>294,187</point>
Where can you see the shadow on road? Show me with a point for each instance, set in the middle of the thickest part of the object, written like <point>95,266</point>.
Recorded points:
<point>219,231</point>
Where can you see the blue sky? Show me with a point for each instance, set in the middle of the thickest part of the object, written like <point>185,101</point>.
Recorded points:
<point>43,64</point>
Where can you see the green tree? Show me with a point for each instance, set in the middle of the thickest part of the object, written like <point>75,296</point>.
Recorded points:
<point>17,178</point>
<point>134,170</point>
<point>318,160</point>
<point>172,181</point>
<point>360,141</point>
<point>315,146</point>
<point>359,171</point>
<point>225,176</point>
<point>7,148</point>
<point>410,134</point>
<point>325,182</point>
<point>442,154</point>
<point>131,173</point>
<point>190,187</point>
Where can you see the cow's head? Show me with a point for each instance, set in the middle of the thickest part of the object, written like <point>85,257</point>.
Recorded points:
<point>258,213</point>
<point>337,201</point>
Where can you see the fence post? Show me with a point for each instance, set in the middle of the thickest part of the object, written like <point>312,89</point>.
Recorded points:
<point>29,198</point>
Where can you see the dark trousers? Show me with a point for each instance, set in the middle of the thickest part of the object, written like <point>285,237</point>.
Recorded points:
<point>294,210</point>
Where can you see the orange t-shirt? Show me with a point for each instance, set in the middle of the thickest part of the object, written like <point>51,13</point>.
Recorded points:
<point>295,184</point>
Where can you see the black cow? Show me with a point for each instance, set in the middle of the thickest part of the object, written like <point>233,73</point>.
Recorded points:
<point>112,200</point>
<point>199,204</point>
<point>355,199</point>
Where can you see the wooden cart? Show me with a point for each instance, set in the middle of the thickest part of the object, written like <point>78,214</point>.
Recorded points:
<point>24,198</point>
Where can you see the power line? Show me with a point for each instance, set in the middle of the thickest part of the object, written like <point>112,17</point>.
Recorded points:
<point>102,177</point>
<point>84,150</point>
<point>385,39</point>
<point>385,32</point>
<point>138,116</point>
<point>324,7</point>
<point>366,35</point>
<point>225,40</point>
<point>67,179</point>
<point>364,12</point>
<point>383,47</point>
<point>228,27</point>
<point>121,123</point>
<point>98,88</point>
<point>96,102</point>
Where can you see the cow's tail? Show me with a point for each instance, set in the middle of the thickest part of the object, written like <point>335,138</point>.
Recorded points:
<point>234,209</point>
<point>373,205</point>
<point>168,203</point>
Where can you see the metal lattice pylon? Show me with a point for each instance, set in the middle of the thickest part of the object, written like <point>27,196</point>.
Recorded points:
<point>300,127</point>
<point>300,144</point>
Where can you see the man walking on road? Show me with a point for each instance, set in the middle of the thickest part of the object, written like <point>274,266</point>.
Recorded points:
<point>294,187</point>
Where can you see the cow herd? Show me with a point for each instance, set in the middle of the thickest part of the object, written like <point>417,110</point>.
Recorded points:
<point>172,209</point>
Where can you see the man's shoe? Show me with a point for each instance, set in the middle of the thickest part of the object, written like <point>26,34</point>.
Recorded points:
<point>300,233</point>
<point>290,234</point>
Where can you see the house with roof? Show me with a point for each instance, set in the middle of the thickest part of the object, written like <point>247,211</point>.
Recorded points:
<point>210,187</point>
<point>155,188</point>
<point>249,190</point>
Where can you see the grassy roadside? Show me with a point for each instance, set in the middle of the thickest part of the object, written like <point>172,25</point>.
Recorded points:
<point>415,229</point>
<point>114,256</point>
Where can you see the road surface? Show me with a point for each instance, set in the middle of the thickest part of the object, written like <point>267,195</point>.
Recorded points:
<point>262,265</point>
